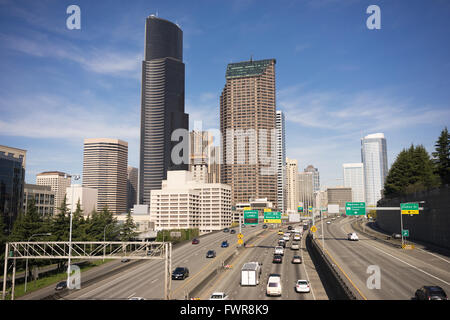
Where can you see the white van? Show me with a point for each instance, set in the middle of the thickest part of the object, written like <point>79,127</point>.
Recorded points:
<point>274,285</point>
<point>250,273</point>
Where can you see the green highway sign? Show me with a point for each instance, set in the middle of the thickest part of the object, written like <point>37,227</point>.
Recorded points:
<point>405,233</point>
<point>355,208</point>
<point>250,217</point>
<point>299,209</point>
<point>272,217</point>
<point>409,208</point>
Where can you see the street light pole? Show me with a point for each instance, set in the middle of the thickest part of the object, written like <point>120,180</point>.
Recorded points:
<point>75,177</point>
<point>104,239</point>
<point>26,263</point>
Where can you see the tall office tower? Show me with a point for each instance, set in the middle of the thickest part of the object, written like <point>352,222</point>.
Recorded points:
<point>12,182</point>
<point>374,159</point>
<point>204,161</point>
<point>58,181</point>
<point>162,104</point>
<point>316,177</point>
<point>306,189</point>
<point>354,178</point>
<point>247,111</point>
<point>105,169</point>
<point>281,160</point>
<point>291,184</point>
<point>132,184</point>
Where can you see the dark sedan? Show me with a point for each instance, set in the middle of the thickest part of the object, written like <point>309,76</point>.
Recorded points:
<point>61,285</point>
<point>211,254</point>
<point>430,293</point>
<point>180,273</point>
<point>277,259</point>
<point>195,241</point>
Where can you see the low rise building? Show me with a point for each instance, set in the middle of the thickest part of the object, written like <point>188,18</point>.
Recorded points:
<point>87,197</point>
<point>184,203</point>
<point>44,198</point>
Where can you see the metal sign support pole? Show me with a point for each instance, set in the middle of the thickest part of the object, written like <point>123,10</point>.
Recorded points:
<point>401,225</point>
<point>13,280</point>
<point>5,273</point>
<point>166,276</point>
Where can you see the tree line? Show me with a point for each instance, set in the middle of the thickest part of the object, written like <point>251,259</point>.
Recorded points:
<point>415,170</point>
<point>33,226</point>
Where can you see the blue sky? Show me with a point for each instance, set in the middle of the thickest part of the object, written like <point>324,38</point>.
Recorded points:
<point>336,79</point>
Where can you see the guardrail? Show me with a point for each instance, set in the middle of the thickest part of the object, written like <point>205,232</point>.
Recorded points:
<point>334,285</point>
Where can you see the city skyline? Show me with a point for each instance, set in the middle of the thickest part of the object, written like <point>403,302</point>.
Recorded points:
<point>322,117</point>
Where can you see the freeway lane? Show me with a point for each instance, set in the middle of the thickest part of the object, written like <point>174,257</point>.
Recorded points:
<point>147,279</point>
<point>402,271</point>
<point>262,251</point>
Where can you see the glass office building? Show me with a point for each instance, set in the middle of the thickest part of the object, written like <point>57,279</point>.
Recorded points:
<point>12,181</point>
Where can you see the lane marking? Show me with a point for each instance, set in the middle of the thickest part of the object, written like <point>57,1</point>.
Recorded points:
<point>429,274</point>
<point>304,266</point>
<point>433,255</point>
<point>131,295</point>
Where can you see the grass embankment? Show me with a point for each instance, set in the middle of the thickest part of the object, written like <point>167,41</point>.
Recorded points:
<point>40,283</point>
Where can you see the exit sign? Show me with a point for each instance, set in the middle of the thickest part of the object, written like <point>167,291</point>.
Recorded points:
<point>355,208</point>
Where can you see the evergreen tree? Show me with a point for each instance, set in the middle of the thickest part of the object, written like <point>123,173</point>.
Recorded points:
<point>27,224</point>
<point>411,172</point>
<point>127,230</point>
<point>98,222</point>
<point>60,224</point>
<point>441,157</point>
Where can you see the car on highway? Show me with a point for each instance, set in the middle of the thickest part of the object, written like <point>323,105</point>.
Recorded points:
<point>430,293</point>
<point>224,244</point>
<point>232,231</point>
<point>211,254</point>
<point>61,285</point>
<point>195,241</point>
<point>273,285</point>
<point>218,296</point>
<point>289,227</point>
<point>277,258</point>
<point>297,237</point>
<point>180,273</point>
<point>282,243</point>
<point>125,260</point>
<point>286,237</point>
<point>328,222</point>
<point>279,250</point>
<point>280,232</point>
<point>226,230</point>
<point>296,260</point>
<point>302,286</point>
<point>136,298</point>
<point>352,236</point>
<point>396,236</point>
<point>295,246</point>
<point>264,226</point>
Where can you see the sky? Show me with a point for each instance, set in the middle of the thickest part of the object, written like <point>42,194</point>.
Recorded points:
<point>336,80</point>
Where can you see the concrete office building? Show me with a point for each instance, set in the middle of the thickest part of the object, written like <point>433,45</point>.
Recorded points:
<point>87,197</point>
<point>306,189</point>
<point>204,157</point>
<point>281,161</point>
<point>247,108</point>
<point>162,104</point>
<point>105,169</point>
<point>132,186</point>
<point>12,182</point>
<point>354,178</point>
<point>183,203</point>
<point>340,196</point>
<point>374,159</point>
<point>58,181</point>
<point>316,177</point>
<point>292,195</point>
<point>43,196</point>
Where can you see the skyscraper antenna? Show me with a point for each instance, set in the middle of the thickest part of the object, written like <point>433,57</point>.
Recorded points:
<point>251,58</point>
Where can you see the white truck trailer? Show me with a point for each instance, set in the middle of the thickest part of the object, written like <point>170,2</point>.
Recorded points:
<point>250,273</point>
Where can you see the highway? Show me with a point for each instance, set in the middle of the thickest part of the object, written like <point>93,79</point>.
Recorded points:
<point>402,272</point>
<point>262,251</point>
<point>147,279</point>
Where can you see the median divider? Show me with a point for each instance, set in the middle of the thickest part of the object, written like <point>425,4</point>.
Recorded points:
<point>331,277</point>
<point>356,225</point>
<point>218,267</point>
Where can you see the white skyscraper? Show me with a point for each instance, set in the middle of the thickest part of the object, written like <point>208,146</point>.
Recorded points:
<point>281,160</point>
<point>354,178</point>
<point>374,159</point>
<point>291,184</point>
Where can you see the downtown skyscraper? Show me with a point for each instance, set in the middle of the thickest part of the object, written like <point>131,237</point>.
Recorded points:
<point>374,159</point>
<point>247,112</point>
<point>281,160</point>
<point>162,103</point>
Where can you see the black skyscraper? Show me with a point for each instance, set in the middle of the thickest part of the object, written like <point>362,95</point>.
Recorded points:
<point>162,103</point>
